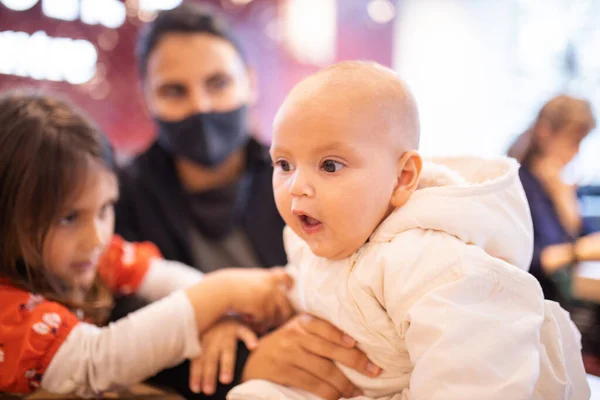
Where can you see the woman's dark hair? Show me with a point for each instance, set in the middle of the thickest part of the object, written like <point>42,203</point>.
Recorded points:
<point>186,18</point>
<point>557,113</point>
<point>46,146</point>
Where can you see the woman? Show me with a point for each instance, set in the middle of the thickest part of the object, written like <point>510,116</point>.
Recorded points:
<point>561,237</point>
<point>203,193</point>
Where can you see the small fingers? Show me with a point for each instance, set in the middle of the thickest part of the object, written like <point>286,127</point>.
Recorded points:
<point>196,375</point>
<point>209,370</point>
<point>227,364</point>
<point>247,335</point>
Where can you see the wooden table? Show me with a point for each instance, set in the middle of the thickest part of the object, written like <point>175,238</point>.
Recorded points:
<point>586,282</point>
<point>140,391</point>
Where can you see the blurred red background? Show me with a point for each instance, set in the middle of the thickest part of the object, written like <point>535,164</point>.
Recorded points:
<point>113,97</point>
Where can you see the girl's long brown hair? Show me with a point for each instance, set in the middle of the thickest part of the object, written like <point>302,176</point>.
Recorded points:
<point>45,150</point>
<point>556,113</point>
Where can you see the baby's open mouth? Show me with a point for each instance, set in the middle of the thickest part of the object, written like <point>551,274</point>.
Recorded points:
<point>308,220</point>
<point>309,224</point>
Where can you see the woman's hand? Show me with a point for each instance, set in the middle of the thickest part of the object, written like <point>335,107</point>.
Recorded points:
<point>587,248</point>
<point>301,354</point>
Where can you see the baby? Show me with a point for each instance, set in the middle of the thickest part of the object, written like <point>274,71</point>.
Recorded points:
<point>424,263</point>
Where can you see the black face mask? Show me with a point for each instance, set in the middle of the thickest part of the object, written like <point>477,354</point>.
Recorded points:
<point>205,138</point>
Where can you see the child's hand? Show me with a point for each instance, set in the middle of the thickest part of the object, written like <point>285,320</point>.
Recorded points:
<point>259,295</point>
<point>219,347</point>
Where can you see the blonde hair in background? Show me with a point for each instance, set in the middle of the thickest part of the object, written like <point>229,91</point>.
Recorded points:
<point>557,113</point>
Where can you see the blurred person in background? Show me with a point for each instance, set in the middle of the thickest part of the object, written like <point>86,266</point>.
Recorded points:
<point>561,237</point>
<point>203,194</point>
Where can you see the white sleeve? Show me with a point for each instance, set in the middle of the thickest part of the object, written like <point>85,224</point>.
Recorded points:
<point>472,337</point>
<point>93,360</point>
<point>164,277</point>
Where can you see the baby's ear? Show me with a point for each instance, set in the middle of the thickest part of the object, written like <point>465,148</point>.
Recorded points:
<point>409,171</point>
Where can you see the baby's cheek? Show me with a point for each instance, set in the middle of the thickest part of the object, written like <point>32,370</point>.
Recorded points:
<point>363,215</point>
<point>349,215</point>
<point>282,202</point>
<point>278,188</point>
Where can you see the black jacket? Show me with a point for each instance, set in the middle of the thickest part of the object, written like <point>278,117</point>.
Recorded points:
<point>153,207</point>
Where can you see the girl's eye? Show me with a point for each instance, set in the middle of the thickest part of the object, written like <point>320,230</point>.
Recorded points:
<point>331,166</point>
<point>104,212</point>
<point>69,219</point>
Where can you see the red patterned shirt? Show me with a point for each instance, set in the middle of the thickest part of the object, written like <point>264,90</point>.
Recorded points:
<point>32,328</point>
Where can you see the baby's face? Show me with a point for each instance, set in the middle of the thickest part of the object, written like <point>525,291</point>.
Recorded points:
<point>335,173</point>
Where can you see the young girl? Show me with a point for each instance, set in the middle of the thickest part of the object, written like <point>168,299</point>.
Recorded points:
<point>60,265</point>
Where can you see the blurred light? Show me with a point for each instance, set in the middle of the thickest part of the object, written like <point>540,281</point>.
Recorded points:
<point>100,91</point>
<point>19,5</point>
<point>85,67</point>
<point>108,39</point>
<point>146,16</point>
<point>110,13</point>
<point>273,30</point>
<point>381,11</point>
<point>132,7</point>
<point>157,5</point>
<point>40,56</point>
<point>310,30</point>
<point>234,6</point>
<point>67,10</point>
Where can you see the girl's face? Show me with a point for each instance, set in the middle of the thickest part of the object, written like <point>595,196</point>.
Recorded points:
<point>79,236</point>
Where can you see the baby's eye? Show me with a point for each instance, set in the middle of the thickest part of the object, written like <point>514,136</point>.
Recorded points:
<point>331,166</point>
<point>284,165</point>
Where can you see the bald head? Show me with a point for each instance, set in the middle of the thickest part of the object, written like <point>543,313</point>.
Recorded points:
<point>345,153</point>
<point>359,89</point>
